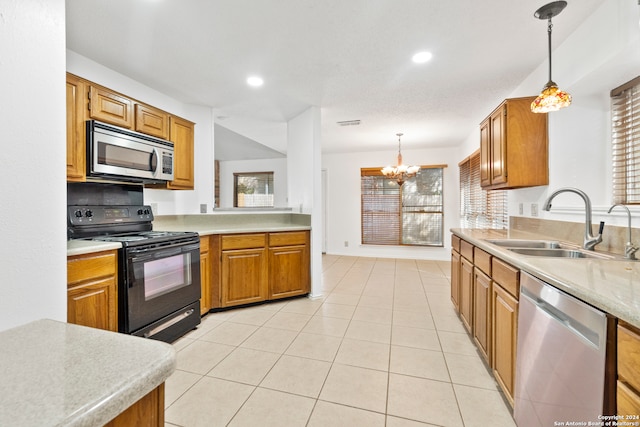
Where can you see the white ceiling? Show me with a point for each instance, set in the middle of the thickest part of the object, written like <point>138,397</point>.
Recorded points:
<point>351,58</point>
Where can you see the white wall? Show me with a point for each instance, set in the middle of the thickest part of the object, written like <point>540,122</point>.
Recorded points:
<point>305,181</point>
<point>343,201</point>
<point>603,53</point>
<point>277,166</point>
<point>32,212</point>
<point>167,202</point>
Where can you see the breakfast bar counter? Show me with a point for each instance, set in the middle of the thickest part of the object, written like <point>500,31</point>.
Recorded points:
<point>58,374</point>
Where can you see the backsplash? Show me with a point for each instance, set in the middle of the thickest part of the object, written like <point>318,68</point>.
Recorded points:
<point>614,237</point>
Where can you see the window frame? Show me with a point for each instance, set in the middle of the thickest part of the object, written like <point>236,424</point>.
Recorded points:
<point>625,143</point>
<point>270,179</point>
<point>398,240</point>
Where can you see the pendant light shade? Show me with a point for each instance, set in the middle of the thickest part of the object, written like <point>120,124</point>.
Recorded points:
<point>551,98</point>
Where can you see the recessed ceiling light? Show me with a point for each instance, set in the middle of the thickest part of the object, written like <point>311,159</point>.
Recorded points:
<point>421,57</point>
<point>255,81</point>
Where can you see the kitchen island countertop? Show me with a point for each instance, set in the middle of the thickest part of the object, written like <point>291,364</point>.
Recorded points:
<point>611,285</point>
<point>58,374</point>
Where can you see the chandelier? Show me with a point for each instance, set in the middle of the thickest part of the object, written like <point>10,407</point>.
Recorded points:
<point>551,98</point>
<point>401,172</point>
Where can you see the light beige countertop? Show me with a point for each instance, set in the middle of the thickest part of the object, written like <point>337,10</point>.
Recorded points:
<point>59,374</point>
<point>246,222</point>
<point>80,247</point>
<point>612,286</point>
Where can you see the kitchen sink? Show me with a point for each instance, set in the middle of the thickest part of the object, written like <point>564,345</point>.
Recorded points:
<point>559,253</point>
<point>516,243</point>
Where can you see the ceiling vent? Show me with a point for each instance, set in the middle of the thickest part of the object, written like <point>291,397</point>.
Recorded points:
<point>349,123</point>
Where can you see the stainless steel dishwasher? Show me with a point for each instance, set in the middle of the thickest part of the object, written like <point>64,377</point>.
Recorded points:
<point>561,357</point>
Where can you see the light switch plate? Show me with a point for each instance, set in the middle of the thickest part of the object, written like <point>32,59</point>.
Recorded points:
<point>203,208</point>
<point>521,209</point>
<point>534,209</point>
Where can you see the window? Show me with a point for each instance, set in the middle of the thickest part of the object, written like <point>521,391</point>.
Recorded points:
<point>411,214</point>
<point>480,208</point>
<point>253,189</point>
<point>625,129</point>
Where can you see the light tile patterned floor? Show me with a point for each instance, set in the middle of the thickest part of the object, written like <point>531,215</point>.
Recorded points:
<point>382,347</point>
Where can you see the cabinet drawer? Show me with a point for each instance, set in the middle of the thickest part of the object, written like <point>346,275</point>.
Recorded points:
<point>90,266</point>
<point>455,243</point>
<point>288,238</point>
<point>244,241</point>
<point>629,356</point>
<point>507,276</point>
<point>204,244</point>
<point>482,260</point>
<point>628,401</point>
<point>466,250</point>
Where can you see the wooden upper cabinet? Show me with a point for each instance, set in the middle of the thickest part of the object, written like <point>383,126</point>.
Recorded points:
<point>110,107</point>
<point>152,121</point>
<point>76,135</point>
<point>514,150</point>
<point>182,136</point>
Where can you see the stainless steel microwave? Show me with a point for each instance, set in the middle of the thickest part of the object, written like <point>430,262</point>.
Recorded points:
<point>123,155</point>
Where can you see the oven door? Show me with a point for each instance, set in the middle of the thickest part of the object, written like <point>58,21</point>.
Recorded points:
<point>160,282</point>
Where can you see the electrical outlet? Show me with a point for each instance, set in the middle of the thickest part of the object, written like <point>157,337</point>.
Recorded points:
<point>521,209</point>
<point>346,243</point>
<point>203,208</point>
<point>534,209</point>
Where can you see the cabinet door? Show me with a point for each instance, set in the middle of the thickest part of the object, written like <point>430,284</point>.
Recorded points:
<point>288,271</point>
<point>92,290</point>
<point>485,154</point>
<point>498,143</point>
<point>146,412</point>
<point>482,312</point>
<point>466,293</point>
<point>181,134</point>
<point>205,276</point>
<point>244,276</point>
<point>76,149</point>
<point>455,280</point>
<point>93,304</point>
<point>504,330</point>
<point>152,121</point>
<point>110,107</point>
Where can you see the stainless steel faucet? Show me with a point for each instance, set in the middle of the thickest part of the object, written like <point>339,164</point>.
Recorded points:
<point>590,241</point>
<point>629,248</point>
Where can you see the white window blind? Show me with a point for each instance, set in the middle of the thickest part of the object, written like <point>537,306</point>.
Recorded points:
<point>411,214</point>
<point>625,128</point>
<point>480,208</point>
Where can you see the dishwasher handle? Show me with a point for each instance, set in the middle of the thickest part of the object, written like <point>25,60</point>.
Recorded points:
<point>577,316</point>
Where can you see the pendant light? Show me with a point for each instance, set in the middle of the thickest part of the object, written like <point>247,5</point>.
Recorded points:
<point>400,173</point>
<point>551,98</point>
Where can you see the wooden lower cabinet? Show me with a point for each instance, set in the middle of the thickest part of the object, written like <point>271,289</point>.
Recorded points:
<point>289,263</point>
<point>92,286</point>
<point>466,293</point>
<point>146,412</point>
<point>628,384</point>
<point>256,267</point>
<point>244,276</point>
<point>205,276</point>
<point>455,280</point>
<point>482,313</point>
<point>504,331</point>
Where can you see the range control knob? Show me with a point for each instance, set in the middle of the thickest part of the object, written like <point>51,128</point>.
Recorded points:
<point>147,211</point>
<point>140,211</point>
<point>78,213</point>
<point>88,213</point>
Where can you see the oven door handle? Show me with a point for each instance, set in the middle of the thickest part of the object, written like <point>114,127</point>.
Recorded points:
<point>165,252</point>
